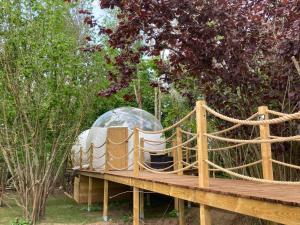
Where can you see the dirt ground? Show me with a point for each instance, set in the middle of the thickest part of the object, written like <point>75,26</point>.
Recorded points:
<point>219,217</point>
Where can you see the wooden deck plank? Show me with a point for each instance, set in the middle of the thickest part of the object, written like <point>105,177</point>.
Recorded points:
<point>280,193</point>
<point>277,203</point>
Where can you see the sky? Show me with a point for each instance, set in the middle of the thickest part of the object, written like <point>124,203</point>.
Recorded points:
<point>99,13</point>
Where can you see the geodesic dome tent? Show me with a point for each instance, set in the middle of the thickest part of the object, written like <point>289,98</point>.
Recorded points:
<point>130,118</point>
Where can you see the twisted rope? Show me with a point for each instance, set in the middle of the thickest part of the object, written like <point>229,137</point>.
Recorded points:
<point>154,143</point>
<point>189,148</point>
<point>158,170</point>
<point>255,141</point>
<point>228,147</point>
<point>166,150</point>
<point>277,113</point>
<point>250,178</point>
<point>170,127</point>
<point>248,122</point>
<point>121,142</point>
<point>239,167</point>
<point>276,137</point>
<point>235,126</point>
<point>169,172</point>
<point>188,133</point>
<point>187,164</point>
<point>118,169</point>
<point>119,157</point>
<point>285,164</point>
<point>165,162</point>
<point>160,142</point>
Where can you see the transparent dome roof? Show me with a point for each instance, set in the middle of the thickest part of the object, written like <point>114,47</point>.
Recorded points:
<point>128,117</point>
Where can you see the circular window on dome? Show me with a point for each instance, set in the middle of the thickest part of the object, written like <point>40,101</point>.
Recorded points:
<point>129,117</point>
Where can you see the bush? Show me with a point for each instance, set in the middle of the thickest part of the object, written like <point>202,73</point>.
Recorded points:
<point>21,221</point>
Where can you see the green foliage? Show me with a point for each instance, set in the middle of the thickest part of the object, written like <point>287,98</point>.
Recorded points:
<point>21,221</point>
<point>173,213</point>
<point>127,218</point>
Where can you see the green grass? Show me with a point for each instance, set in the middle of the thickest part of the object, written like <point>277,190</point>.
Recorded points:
<point>60,209</point>
<point>7,214</point>
<point>63,210</point>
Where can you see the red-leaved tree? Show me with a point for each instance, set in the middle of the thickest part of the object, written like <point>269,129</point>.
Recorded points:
<point>237,53</point>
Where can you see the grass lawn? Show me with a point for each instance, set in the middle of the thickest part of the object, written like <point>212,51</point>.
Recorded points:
<point>63,210</point>
<point>60,209</point>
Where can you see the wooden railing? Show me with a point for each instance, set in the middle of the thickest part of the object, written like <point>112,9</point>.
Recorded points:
<point>197,146</point>
<point>197,151</point>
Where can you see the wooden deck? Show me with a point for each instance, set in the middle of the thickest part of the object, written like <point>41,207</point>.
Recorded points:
<point>275,202</point>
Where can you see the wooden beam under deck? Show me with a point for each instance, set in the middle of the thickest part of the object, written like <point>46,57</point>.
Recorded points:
<point>254,204</point>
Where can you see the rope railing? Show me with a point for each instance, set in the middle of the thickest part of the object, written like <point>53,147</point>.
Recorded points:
<point>159,170</point>
<point>244,177</point>
<point>281,119</point>
<point>119,169</point>
<point>160,163</point>
<point>228,147</point>
<point>168,172</point>
<point>285,164</point>
<point>166,150</point>
<point>255,141</point>
<point>188,133</point>
<point>198,142</point>
<point>170,127</point>
<point>235,126</point>
<point>239,167</point>
<point>279,113</point>
<point>276,137</point>
<point>121,142</point>
<point>119,157</point>
<point>190,148</point>
<point>187,164</point>
<point>155,142</point>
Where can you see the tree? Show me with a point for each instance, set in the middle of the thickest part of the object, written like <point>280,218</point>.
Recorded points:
<point>235,53</point>
<point>237,45</point>
<point>47,84</point>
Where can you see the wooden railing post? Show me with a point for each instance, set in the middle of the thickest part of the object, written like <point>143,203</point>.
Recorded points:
<point>136,206</point>
<point>105,201</point>
<point>90,190</point>
<point>188,152</point>
<point>203,173</point>
<point>179,149</point>
<point>80,158</point>
<point>175,167</point>
<point>142,155</point>
<point>91,157</point>
<point>136,191</point>
<point>175,155</point>
<point>202,145</point>
<point>180,166</point>
<point>136,152</point>
<point>142,204</point>
<point>266,151</point>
